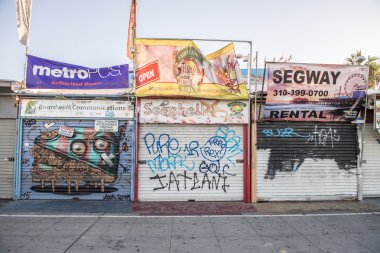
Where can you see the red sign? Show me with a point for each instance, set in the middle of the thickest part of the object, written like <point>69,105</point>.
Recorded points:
<point>147,74</point>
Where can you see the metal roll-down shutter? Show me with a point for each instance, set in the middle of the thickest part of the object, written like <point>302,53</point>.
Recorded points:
<point>190,162</point>
<point>371,163</point>
<point>306,161</point>
<point>87,165</point>
<point>7,151</point>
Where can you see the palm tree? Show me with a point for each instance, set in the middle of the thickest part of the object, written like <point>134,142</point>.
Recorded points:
<point>372,62</point>
<point>356,58</point>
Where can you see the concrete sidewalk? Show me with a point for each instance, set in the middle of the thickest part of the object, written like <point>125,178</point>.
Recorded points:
<point>318,233</point>
<point>185,208</point>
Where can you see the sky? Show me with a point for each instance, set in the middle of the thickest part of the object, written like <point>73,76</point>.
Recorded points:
<point>93,33</point>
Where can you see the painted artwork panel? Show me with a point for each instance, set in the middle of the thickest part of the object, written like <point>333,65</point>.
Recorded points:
<point>185,111</point>
<point>177,68</point>
<point>65,159</point>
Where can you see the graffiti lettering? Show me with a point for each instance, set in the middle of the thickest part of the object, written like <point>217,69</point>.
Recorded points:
<point>172,162</point>
<point>185,178</point>
<point>29,122</point>
<point>121,197</point>
<point>25,195</point>
<point>214,149</point>
<point>323,136</point>
<point>211,167</point>
<point>173,179</point>
<point>282,132</point>
<point>179,182</point>
<point>191,148</point>
<point>163,143</point>
<point>159,180</point>
<point>205,167</point>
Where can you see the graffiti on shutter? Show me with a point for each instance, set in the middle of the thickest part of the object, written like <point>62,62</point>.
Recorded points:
<point>291,143</point>
<point>183,164</point>
<point>88,162</point>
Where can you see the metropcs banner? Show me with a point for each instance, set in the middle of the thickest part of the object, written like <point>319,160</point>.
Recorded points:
<point>177,68</point>
<point>48,74</point>
<point>193,111</point>
<point>314,92</point>
<point>31,108</point>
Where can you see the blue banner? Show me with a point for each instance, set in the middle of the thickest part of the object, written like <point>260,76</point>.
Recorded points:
<point>48,74</point>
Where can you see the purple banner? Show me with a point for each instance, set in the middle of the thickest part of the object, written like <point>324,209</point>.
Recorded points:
<point>48,74</point>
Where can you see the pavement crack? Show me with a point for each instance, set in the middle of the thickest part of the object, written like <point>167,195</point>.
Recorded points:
<point>302,235</point>
<point>80,236</point>
<point>254,229</point>
<point>216,237</point>
<point>171,236</point>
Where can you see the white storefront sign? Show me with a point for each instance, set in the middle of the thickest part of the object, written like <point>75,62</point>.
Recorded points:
<point>32,108</point>
<point>66,131</point>
<point>106,125</point>
<point>193,111</point>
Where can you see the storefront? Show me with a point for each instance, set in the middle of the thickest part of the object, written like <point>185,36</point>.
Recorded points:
<point>8,116</point>
<point>371,161</point>
<point>80,149</point>
<point>193,150</point>
<point>306,161</point>
<point>307,142</point>
<point>371,148</point>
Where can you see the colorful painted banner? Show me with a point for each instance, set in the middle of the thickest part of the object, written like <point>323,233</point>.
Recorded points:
<point>193,111</point>
<point>314,92</point>
<point>48,74</point>
<point>76,109</point>
<point>177,68</point>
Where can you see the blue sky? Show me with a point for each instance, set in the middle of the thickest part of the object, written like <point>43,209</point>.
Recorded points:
<point>93,32</point>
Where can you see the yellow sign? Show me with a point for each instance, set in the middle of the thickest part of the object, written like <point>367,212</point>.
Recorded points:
<point>177,68</point>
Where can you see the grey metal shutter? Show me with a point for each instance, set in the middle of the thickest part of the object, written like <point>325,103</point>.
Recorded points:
<point>371,166</point>
<point>8,154</point>
<point>89,165</point>
<point>190,162</point>
<point>306,161</point>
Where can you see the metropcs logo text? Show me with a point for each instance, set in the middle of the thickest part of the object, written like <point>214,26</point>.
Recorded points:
<point>76,73</point>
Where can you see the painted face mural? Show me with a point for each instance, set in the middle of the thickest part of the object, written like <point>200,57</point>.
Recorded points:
<point>88,161</point>
<point>87,155</point>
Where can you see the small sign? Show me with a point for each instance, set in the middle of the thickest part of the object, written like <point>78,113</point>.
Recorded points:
<point>106,126</point>
<point>32,108</point>
<point>147,74</point>
<point>186,111</point>
<point>66,131</point>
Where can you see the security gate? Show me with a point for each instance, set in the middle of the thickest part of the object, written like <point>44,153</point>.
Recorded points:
<point>371,164</point>
<point>7,151</point>
<point>64,159</point>
<point>190,162</point>
<point>306,161</point>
